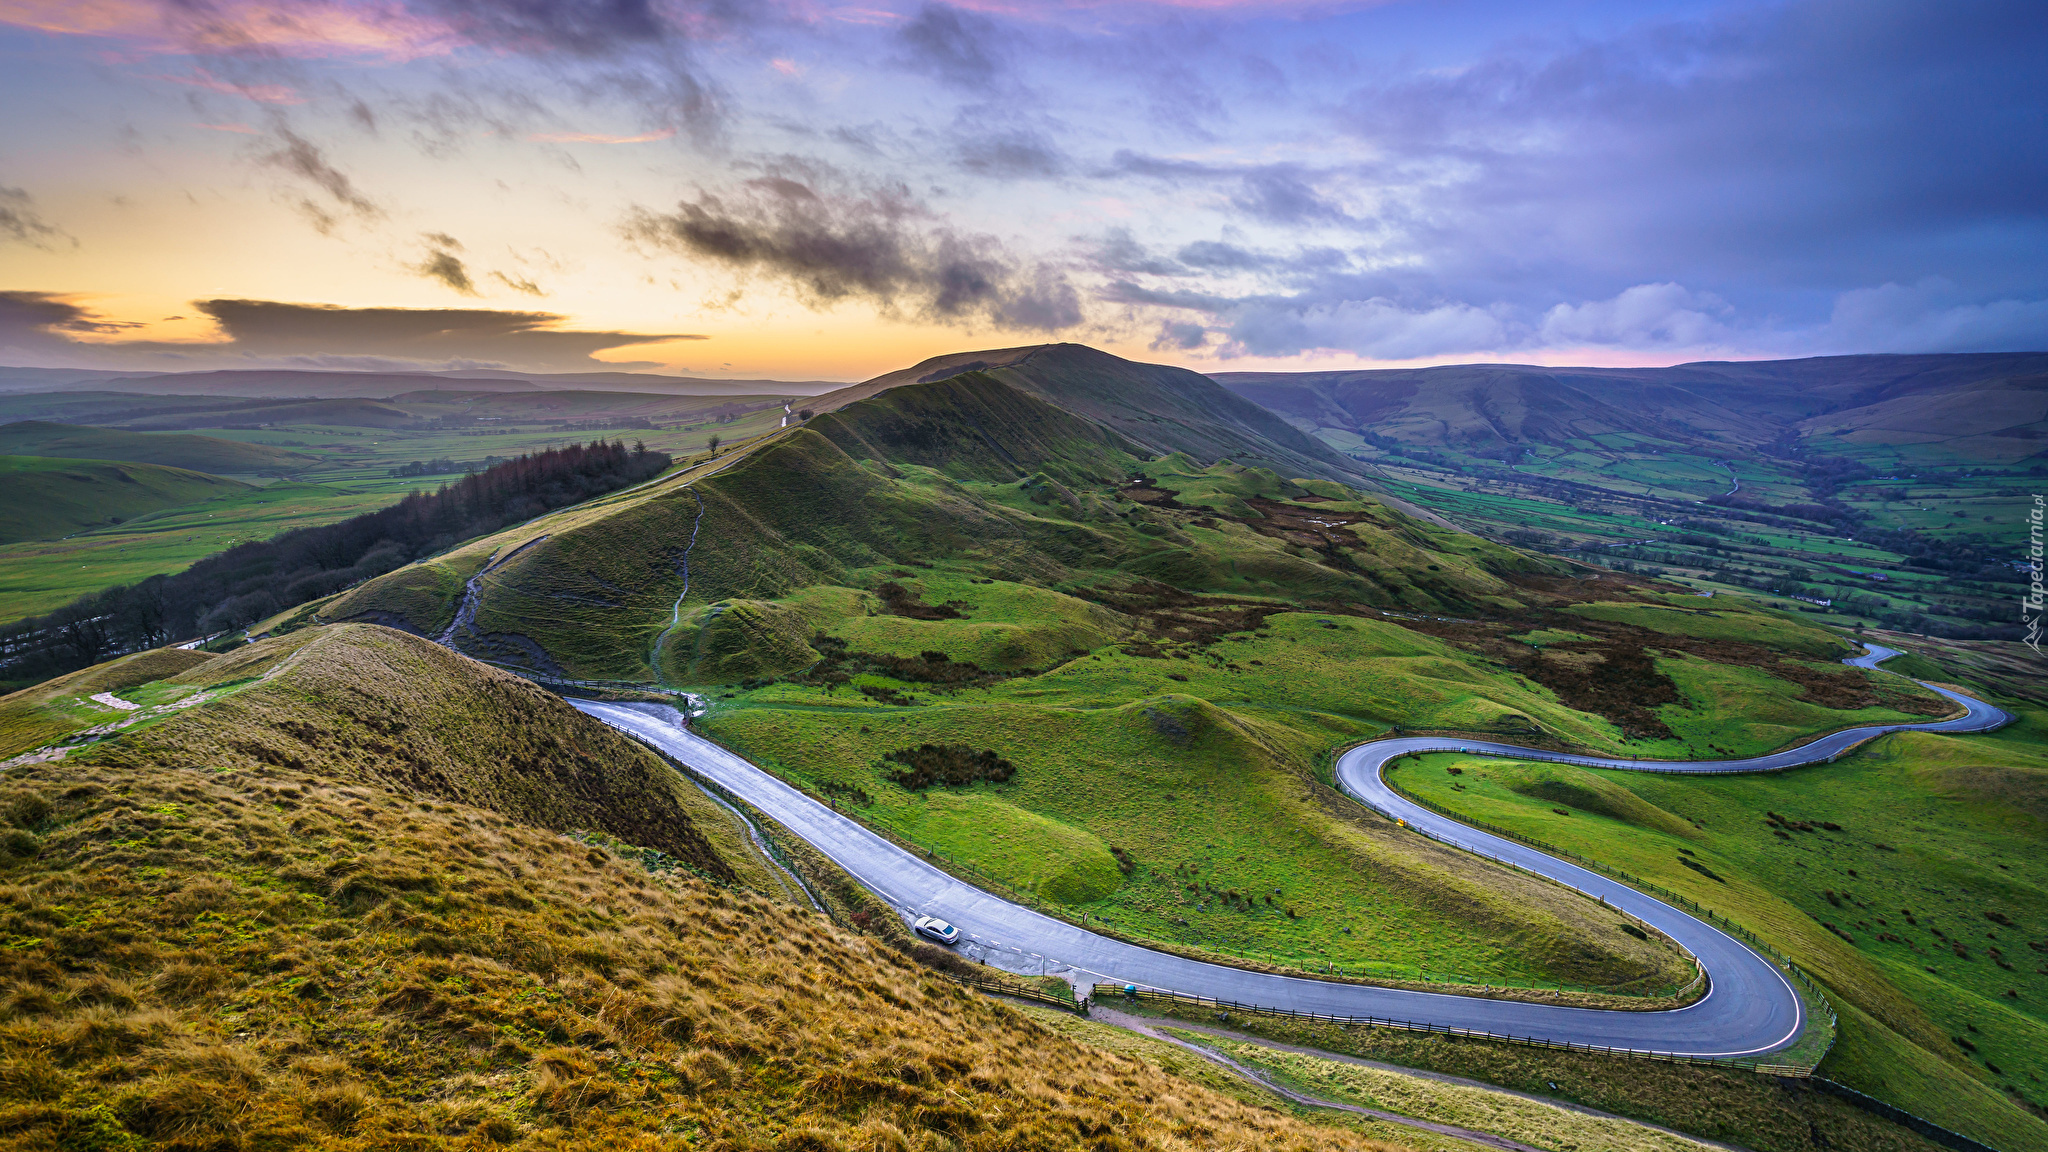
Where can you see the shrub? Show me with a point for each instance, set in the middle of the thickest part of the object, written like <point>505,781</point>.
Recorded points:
<point>955,764</point>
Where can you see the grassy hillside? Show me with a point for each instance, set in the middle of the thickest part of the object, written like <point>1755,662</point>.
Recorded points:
<point>213,952</point>
<point>1909,877</point>
<point>1984,405</point>
<point>1151,642</point>
<point>176,450</point>
<point>1162,408</point>
<point>37,576</point>
<point>1882,490</point>
<point>51,496</point>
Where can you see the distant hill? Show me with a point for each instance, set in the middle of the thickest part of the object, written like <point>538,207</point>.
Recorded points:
<point>48,497</point>
<point>176,450</point>
<point>1992,406</point>
<point>301,384</point>
<point>355,412</point>
<point>1160,408</point>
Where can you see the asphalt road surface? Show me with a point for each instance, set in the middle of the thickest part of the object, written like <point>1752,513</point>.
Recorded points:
<point>1750,1009</point>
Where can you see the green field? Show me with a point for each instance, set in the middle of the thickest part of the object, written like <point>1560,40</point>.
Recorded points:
<point>1640,510</point>
<point>334,473</point>
<point>49,496</point>
<point>1908,877</point>
<point>39,575</point>
<point>172,449</point>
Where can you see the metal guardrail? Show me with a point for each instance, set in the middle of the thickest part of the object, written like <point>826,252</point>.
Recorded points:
<point>1142,995</point>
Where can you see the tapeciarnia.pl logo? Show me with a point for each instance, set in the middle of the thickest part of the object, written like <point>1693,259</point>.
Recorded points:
<point>2036,604</point>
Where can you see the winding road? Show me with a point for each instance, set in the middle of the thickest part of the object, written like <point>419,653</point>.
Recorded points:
<point>1750,1009</point>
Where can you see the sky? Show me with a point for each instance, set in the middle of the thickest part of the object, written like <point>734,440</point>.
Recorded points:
<point>801,189</point>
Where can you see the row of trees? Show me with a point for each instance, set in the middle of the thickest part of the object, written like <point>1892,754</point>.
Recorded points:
<point>246,583</point>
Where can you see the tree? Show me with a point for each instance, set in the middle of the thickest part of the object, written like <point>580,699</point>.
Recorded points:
<point>713,444</point>
<point>803,414</point>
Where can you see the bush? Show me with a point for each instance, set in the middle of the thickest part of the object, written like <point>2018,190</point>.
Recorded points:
<point>955,764</point>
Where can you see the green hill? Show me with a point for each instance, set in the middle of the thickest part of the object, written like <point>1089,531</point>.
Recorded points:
<point>50,496</point>
<point>1991,407</point>
<point>967,470</point>
<point>174,449</point>
<point>333,907</point>
<point>1158,407</point>
<point>962,561</point>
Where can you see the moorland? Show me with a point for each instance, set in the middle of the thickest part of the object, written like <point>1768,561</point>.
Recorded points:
<point>1089,633</point>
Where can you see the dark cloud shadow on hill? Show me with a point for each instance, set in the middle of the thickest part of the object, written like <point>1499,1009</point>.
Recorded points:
<point>48,327</point>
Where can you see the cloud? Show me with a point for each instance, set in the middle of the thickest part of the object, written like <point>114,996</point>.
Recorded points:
<point>1645,316</point>
<point>1178,336</point>
<point>878,245</point>
<point>424,335</point>
<point>959,48</point>
<point>599,137</point>
<point>1932,316</point>
<point>1011,155</point>
<point>397,31</point>
<point>518,284</point>
<point>40,324</point>
<point>1215,256</point>
<point>302,158</point>
<point>1281,194</point>
<point>260,93</point>
<point>256,333</point>
<point>444,265</point>
<point>1376,329</point>
<point>20,222</point>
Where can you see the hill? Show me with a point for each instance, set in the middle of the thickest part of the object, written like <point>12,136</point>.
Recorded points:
<point>1160,408</point>
<point>961,561</point>
<point>207,948</point>
<point>349,413</point>
<point>276,383</point>
<point>176,450</point>
<point>1992,406</point>
<point>967,469</point>
<point>50,496</point>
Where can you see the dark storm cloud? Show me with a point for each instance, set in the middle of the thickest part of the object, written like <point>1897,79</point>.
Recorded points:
<point>878,245</point>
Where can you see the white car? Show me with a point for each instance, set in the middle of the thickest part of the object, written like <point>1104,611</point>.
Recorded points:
<point>933,928</point>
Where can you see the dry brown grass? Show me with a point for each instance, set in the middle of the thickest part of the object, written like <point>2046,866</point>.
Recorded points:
<point>371,705</point>
<point>262,958</point>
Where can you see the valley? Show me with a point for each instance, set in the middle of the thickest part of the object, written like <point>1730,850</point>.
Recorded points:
<point>1109,669</point>
<point>1887,491</point>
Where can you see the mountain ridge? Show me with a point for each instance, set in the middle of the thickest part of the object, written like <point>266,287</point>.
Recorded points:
<point>1735,404</point>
